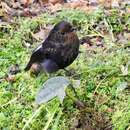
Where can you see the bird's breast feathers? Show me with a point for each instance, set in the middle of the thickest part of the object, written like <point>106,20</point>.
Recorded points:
<point>71,38</point>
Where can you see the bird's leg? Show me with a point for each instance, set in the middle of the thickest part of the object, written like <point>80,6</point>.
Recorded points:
<point>80,104</point>
<point>73,74</point>
<point>68,72</point>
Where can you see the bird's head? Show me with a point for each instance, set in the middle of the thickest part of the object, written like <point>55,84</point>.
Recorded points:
<point>63,27</point>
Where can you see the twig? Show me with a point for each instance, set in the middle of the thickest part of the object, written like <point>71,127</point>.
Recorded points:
<point>99,84</point>
<point>76,99</point>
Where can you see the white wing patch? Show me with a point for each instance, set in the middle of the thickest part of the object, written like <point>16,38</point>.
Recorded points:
<point>40,46</point>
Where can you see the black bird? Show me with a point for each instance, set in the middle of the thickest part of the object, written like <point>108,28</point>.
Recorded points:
<point>59,49</point>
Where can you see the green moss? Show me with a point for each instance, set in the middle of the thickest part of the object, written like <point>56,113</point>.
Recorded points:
<point>100,72</point>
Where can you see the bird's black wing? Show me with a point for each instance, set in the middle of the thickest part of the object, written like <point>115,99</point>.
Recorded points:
<point>36,56</point>
<point>46,50</point>
<point>51,48</point>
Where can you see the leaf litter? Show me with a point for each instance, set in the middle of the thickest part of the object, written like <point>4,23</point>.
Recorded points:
<point>31,8</point>
<point>53,87</point>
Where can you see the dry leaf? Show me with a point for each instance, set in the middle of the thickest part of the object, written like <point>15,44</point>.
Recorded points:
<point>42,34</point>
<point>127,36</point>
<point>109,110</point>
<point>43,1</point>
<point>56,7</point>
<point>26,2</point>
<point>10,78</point>
<point>14,69</point>
<point>16,5</point>
<point>105,3</point>
<point>115,3</point>
<point>124,70</point>
<point>74,5</point>
<point>56,1</point>
<point>5,7</point>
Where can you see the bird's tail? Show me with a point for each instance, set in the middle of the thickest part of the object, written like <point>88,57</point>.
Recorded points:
<point>28,66</point>
<point>35,57</point>
<point>32,60</point>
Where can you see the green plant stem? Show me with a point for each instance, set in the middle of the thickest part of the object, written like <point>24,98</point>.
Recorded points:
<point>36,113</point>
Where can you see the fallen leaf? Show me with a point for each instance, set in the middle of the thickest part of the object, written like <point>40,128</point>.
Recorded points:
<point>16,5</point>
<point>105,3</point>
<point>43,1</point>
<point>127,36</point>
<point>55,8</point>
<point>109,110</point>
<point>56,1</point>
<point>14,69</point>
<point>51,88</point>
<point>6,8</point>
<point>26,2</point>
<point>41,35</point>
<point>71,1</point>
<point>10,78</point>
<point>115,3</point>
<point>124,69</point>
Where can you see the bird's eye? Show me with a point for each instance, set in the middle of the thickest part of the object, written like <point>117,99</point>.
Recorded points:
<point>62,33</point>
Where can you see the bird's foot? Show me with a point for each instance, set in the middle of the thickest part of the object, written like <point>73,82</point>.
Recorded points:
<point>71,73</point>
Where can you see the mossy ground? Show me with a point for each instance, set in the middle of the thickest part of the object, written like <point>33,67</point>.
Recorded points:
<point>99,69</point>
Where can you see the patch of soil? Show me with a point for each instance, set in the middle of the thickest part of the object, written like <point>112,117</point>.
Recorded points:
<point>90,119</point>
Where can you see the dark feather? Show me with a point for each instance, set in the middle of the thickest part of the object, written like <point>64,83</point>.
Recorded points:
<point>59,49</point>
